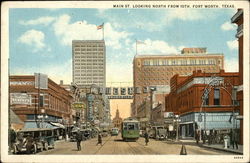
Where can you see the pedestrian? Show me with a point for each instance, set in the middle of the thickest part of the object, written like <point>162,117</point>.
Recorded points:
<point>235,138</point>
<point>99,139</point>
<point>12,138</point>
<point>78,140</point>
<point>146,137</point>
<point>210,137</point>
<point>197,136</point>
<point>29,143</point>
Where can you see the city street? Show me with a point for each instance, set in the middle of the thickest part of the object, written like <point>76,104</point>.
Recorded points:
<point>115,145</point>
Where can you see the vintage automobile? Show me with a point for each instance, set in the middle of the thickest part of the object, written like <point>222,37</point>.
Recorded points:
<point>154,131</point>
<point>104,133</point>
<point>35,139</point>
<point>161,134</point>
<point>114,131</point>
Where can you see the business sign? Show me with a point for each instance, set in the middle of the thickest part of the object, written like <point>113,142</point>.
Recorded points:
<point>168,114</point>
<point>21,83</point>
<point>41,81</point>
<point>78,105</point>
<point>239,117</point>
<point>170,128</point>
<point>20,98</point>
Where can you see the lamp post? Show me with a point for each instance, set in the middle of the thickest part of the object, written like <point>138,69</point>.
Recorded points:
<point>177,120</point>
<point>152,89</point>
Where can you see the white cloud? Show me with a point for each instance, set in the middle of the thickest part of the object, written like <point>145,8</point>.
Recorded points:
<point>46,20</point>
<point>81,30</point>
<point>115,70</point>
<point>33,38</point>
<point>231,65</point>
<point>156,47</point>
<point>185,14</point>
<point>55,72</point>
<point>227,26</point>
<point>233,45</point>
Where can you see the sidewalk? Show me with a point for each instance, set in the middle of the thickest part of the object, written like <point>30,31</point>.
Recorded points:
<point>213,146</point>
<point>221,147</point>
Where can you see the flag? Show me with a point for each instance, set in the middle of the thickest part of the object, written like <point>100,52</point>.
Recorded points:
<point>140,42</point>
<point>100,26</point>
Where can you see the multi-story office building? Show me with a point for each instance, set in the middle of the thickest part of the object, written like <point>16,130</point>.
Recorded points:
<point>89,62</point>
<point>156,70</point>
<point>238,19</point>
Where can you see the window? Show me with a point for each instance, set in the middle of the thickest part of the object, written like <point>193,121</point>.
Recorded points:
<point>41,101</point>
<point>123,91</point>
<point>30,117</point>
<point>156,62</point>
<point>115,91</point>
<point>146,62</point>
<point>216,96</point>
<point>130,90</point>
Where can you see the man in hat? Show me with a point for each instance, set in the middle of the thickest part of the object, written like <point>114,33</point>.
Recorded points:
<point>146,137</point>
<point>99,139</point>
<point>78,140</point>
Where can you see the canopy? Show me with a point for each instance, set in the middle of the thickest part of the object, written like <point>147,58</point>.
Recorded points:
<point>38,125</point>
<point>58,125</point>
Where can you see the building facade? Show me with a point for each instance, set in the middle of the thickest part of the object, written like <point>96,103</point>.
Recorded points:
<point>154,70</point>
<point>29,101</point>
<point>117,121</point>
<point>238,19</point>
<point>78,105</point>
<point>97,106</point>
<point>89,62</point>
<point>204,101</point>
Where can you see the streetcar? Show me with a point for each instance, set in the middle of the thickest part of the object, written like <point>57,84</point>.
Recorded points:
<point>130,129</point>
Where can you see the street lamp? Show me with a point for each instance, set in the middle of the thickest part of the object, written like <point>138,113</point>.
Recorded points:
<point>177,120</point>
<point>152,89</point>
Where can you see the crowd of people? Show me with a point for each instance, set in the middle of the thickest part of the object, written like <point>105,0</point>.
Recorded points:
<point>211,135</point>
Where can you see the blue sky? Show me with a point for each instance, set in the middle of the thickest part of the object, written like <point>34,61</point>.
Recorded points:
<point>40,39</point>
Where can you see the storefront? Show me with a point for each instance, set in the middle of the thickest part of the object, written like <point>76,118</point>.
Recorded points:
<point>212,120</point>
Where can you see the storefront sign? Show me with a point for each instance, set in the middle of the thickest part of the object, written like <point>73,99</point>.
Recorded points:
<point>41,81</point>
<point>20,98</point>
<point>78,105</point>
<point>168,114</point>
<point>21,83</point>
<point>170,128</point>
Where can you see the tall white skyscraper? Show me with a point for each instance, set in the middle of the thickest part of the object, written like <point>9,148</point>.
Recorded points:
<point>89,62</point>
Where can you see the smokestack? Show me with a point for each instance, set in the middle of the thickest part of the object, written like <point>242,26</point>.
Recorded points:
<point>61,82</point>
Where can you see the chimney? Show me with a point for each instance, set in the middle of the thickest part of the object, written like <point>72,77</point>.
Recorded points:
<point>61,82</point>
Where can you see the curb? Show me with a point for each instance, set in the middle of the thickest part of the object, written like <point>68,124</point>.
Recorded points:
<point>222,149</point>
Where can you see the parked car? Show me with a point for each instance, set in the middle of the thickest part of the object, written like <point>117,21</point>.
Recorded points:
<point>161,134</point>
<point>114,131</point>
<point>33,140</point>
<point>104,133</point>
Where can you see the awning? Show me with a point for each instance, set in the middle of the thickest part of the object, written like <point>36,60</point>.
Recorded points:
<point>57,125</point>
<point>182,123</point>
<point>38,125</point>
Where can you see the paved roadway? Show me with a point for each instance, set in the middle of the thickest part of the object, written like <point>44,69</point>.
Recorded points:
<point>115,145</point>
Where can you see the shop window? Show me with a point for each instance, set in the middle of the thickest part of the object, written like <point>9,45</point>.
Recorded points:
<point>216,96</point>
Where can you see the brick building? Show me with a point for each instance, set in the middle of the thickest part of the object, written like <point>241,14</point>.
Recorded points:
<point>185,100</point>
<point>54,102</point>
<point>156,70</point>
<point>238,19</point>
